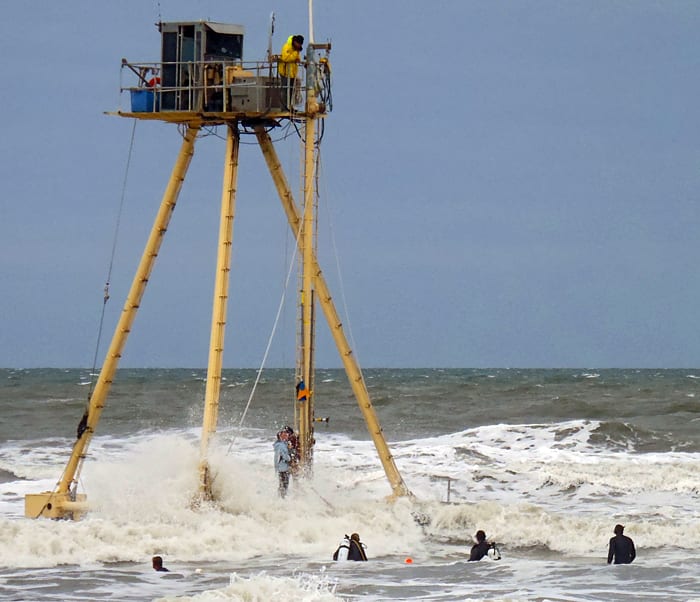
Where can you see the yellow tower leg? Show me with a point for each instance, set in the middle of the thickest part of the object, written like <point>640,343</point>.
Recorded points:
<point>218,318</point>
<point>62,502</point>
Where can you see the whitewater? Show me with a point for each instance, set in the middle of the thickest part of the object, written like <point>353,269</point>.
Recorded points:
<point>545,461</point>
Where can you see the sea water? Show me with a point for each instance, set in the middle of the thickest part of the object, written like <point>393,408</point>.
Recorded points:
<point>545,461</point>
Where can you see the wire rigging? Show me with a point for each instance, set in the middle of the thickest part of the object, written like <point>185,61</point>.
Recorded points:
<point>112,255</point>
<point>82,425</point>
<point>336,255</point>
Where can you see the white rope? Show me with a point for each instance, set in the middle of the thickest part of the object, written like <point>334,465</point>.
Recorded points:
<point>269,341</point>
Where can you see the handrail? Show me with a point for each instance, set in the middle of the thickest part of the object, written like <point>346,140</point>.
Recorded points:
<point>211,86</point>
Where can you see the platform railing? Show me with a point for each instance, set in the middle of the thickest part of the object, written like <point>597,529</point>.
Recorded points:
<point>209,86</point>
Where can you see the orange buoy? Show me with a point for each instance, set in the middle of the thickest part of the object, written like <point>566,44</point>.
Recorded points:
<point>409,560</point>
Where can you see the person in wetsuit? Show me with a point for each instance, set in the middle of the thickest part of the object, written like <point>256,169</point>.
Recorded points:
<point>481,547</point>
<point>621,547</point>
<point>357,549</point>
<point>158,564</point>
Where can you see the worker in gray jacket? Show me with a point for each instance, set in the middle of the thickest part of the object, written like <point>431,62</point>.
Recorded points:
<point>282,461</point>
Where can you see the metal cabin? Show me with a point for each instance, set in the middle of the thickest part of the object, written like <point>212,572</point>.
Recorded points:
<point>195,57</point>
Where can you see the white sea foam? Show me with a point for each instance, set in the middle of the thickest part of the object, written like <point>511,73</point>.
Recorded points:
<point>527,486</point>
<point>548,493</point>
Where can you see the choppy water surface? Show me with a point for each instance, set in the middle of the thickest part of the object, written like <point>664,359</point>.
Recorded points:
<point>545,461</point>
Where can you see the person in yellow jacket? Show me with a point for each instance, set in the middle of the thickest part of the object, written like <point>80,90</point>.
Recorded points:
<point>287,67</point>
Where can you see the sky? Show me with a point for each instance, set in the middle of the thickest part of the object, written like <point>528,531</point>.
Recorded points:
<point>504,184</point>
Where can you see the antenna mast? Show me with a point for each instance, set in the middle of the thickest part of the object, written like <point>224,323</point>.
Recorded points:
<point>311,21</point>
<point>269,37</point>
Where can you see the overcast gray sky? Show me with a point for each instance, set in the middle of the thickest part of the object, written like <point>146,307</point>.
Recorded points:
<point>507,184</point>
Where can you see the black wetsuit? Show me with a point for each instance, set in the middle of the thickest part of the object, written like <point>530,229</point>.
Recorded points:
<point>622,549</point>
<point>479,550</point>
<point>356,551</point>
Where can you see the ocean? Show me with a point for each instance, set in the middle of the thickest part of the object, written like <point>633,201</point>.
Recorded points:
<point>545,461</point>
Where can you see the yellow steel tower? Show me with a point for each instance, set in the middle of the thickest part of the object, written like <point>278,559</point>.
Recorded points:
<point>202,80</point>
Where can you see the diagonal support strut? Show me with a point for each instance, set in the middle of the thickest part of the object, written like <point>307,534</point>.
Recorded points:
<point>352,368</point>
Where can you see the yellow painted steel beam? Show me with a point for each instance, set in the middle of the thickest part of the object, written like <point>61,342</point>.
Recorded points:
<point>220,302</point>
<point>56,502</point>
<point>55,505</point>
<point>307,294</point>
<point>352,369</point>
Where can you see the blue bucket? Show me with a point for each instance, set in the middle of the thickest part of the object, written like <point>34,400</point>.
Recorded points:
<point>143,101</point>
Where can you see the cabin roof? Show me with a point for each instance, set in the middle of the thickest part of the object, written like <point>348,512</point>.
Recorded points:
<point>228,28</point>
